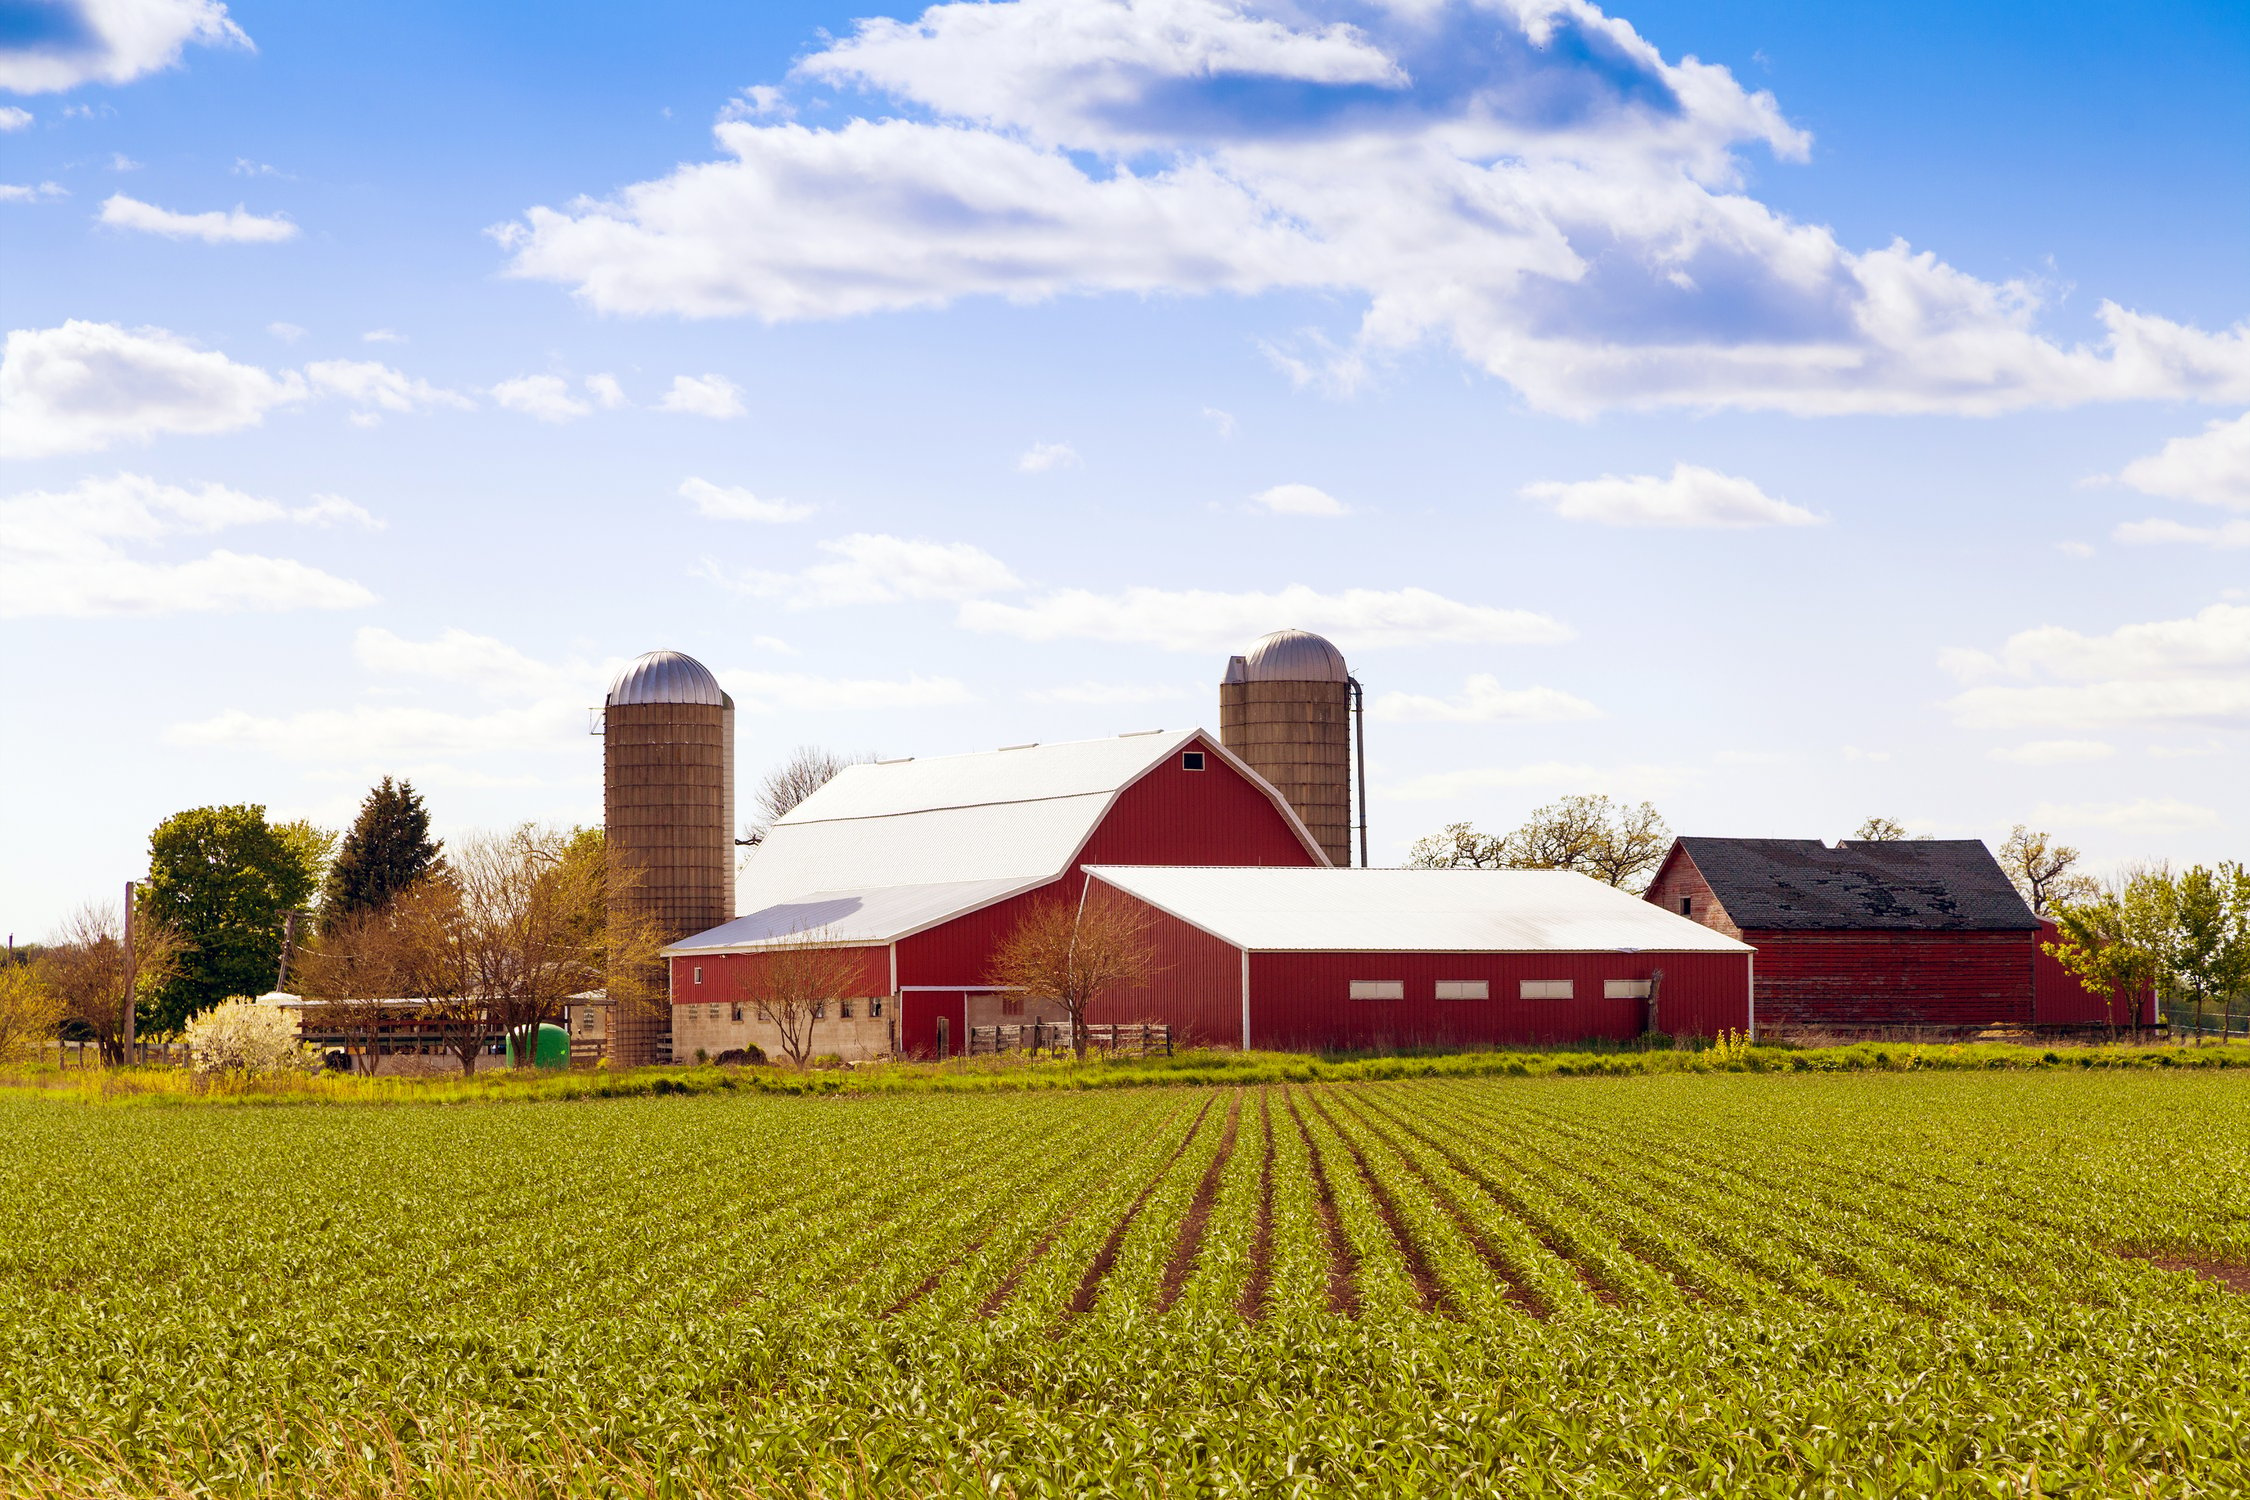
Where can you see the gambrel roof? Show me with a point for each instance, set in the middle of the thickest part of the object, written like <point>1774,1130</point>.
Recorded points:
<point>888,849</point>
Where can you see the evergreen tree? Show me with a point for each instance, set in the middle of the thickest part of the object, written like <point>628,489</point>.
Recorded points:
<point>222,878</point>
<point>387,850</point>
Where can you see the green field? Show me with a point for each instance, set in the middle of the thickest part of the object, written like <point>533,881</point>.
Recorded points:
<point>1678,1284</point>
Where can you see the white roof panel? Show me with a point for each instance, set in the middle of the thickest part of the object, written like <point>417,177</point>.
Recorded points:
<point>880,915</point>
<point>1421,911</point>
<point>1000,815</point>
<point>1033,773</point>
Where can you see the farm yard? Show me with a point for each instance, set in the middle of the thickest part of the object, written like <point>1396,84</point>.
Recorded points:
<point>1864,1284</point>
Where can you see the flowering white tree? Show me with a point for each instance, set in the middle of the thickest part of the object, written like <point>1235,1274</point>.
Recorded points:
<point>242,1036</point>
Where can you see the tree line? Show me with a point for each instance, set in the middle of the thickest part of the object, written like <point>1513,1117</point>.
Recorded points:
<point>387,929</point>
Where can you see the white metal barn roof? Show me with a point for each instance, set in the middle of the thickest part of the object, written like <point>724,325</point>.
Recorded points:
<point>1419,911</point>
<point>885,847</point>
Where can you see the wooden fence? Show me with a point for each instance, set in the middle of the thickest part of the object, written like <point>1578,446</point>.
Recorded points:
<point>1133,1039</point>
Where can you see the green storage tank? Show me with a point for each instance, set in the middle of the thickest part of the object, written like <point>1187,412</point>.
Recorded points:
<point>552,1050</point>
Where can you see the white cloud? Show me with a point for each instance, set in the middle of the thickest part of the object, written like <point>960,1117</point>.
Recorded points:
<point>2074,549</point>
<point>2055,752</point>
<point>216,227</point>
<point>1040,457</point>
<point>245,167</point>
<point>288,333</point>
<point>1615,781</point>
<point>1223,421</point>
<point>703,396</point>
<point>1482,700</point>
<point>1533,184</point>
<point>382,336</point>
<point>371,386</point>
<point>493,667</point>
<point>2154,814</point>
<point>776,692</point>
<point>2210,468</point>
<point>112,41</point>
<point>24,192</point>
<point>368,732</point>
<point>2226,536</point>
<point>1205,620</point>
<point>2193,670</point>
<point>120,162</point>
<point>1298,500</point>
<point>546,397</point>
<point>727,503</point>
<point>14,119</point>
<point>607,393</point>
<point>873,569</point>
<point>81,552</point>
<point>1692,496</point>
<point>1102,693</point>
<point>84,386</point>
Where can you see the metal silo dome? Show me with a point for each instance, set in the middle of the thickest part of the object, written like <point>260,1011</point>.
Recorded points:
<point>667,677</point>
<point>1294,656</point>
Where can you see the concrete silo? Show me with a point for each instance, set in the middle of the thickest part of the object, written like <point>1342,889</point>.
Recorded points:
<point>668,812</point>
<point>1287,708</point>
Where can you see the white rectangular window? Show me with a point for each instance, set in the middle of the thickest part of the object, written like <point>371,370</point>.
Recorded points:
<point>1190,760</point>
<point>1464,989</point>
<point>736,1013</point>
<point>875,1006</point>
<point>844,1010</point>
<point>1378,989</point>
<point>1624,989</point>
<point>699,973</point>
<point>820,1010</point>
<point>1544,989</point>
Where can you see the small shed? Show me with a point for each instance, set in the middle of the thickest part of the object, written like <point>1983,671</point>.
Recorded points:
<point>1325,959</point>
<point>1905,932</point>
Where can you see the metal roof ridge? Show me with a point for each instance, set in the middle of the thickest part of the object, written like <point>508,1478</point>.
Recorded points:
<point>915,812</point>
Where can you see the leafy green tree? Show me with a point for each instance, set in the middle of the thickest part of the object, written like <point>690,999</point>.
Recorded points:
<point>223,878</point>
<point>387,850</point>
<point>2209,948</point>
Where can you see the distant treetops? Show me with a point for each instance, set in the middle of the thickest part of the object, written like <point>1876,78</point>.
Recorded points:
<point>388,849</point>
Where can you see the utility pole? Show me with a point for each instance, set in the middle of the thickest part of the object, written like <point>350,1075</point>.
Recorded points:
<point>288,948</point>
<point>131,979</point>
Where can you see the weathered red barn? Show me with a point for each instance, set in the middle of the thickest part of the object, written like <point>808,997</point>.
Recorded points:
<point>1376,960</point>
<point>2059,998</point>
<point>921,867</point>
<point>1922,932</point>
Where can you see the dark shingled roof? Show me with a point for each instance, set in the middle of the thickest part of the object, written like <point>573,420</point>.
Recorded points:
<point>1901,885</point>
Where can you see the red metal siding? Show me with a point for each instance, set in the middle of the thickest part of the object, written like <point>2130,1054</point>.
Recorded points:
<point>728,977</point>
<point>1302,1001</point>
<point>1195,986</point>
<point>1894,978</point>
<point>2059,999</point>
<point>1174,816</point>
<point>1171,816</point>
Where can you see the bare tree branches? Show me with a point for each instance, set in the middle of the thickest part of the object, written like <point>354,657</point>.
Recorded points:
<point>2044,870</point>
<point>808,769</point>
<point>1074,952</point>
<point>1617,843</point>
<point>794,983</point>
<point>88,966</point>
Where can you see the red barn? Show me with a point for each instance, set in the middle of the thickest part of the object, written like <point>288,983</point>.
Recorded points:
<point>921,867</point>
<point>1922,932</point>
<point>1375,960</point>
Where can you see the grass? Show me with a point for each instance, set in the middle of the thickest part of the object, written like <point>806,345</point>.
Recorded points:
<point>1672,1274</point>
<point>174,1087</point>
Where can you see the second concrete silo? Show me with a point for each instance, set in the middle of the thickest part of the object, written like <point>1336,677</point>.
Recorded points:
<point>668,812</point>
<point>1286,708</point>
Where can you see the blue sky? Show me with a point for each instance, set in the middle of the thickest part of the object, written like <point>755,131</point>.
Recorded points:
<point>1850,420</point>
